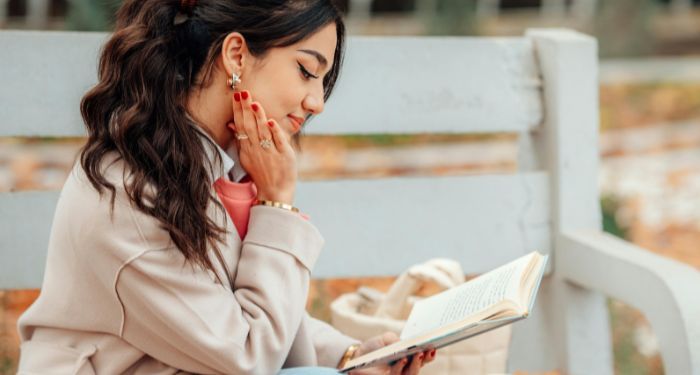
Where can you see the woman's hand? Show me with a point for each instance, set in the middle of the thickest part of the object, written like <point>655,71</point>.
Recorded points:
<point>405,366</point>
<point>273,168</point>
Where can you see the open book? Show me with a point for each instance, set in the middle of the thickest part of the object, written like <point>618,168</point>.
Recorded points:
<point>494,299</point>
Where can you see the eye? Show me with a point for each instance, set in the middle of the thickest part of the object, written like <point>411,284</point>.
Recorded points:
<point>305,72</point>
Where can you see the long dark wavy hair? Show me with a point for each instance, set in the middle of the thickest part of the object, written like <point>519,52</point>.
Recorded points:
<point>137,109</point>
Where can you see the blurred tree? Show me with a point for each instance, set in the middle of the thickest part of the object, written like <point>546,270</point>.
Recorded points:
<point>449,17</point>
<point>624,27</point>
<point>91,15</point>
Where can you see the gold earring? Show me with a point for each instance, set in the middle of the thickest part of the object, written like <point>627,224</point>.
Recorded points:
<point>233,81</point>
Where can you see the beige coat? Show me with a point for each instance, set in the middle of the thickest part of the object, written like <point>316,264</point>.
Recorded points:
<point>118,297</point>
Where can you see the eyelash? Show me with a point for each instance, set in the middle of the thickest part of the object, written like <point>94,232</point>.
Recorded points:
<point>305,72</point>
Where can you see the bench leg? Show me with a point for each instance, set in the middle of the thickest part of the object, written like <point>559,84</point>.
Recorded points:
<point>568,330</point>
<point>581,330</point>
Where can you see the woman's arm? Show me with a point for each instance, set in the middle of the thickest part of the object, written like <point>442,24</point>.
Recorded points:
<point>328,342</point>
<point>177,314</point>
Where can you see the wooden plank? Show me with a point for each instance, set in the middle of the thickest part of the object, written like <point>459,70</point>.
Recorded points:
<point>665,290</point>
<point>442,85</point>
<point>25,225</point>
<point>372,227</point>
<point>44,75</point>
<point>677,69</point>
<point>434,85</point>
<point>381,227</point>
<point>580,333</point>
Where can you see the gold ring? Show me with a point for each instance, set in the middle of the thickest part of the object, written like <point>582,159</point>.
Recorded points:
<point>266,143</point>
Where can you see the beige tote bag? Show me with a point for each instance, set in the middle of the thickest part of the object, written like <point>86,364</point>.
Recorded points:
<point>368,313</point>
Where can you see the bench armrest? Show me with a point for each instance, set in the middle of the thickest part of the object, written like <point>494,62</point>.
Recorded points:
<point>666,291</point>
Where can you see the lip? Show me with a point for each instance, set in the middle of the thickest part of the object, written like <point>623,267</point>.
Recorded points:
<point>297,121</point>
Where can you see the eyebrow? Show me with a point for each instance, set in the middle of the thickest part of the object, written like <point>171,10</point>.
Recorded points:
<point>321,59</point>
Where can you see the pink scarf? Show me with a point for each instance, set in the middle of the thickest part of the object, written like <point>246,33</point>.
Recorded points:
<point>237,198</point>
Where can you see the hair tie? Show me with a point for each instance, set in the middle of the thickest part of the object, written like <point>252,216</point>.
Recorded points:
<point>187,6</point>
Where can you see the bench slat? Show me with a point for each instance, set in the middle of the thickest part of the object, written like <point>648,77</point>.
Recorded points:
<point>381,227</point>
<point>44,75</point>
<point>25,225</point>
<point>373,227</point>
<point>497,89</point>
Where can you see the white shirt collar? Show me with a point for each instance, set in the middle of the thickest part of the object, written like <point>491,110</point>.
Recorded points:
<point>232,163</point>
<point>231,167</point>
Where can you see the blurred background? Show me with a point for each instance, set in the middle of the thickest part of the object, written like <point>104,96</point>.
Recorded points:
<point>649,124</point>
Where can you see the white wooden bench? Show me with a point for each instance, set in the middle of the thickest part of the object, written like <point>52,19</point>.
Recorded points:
<point>542,86</point>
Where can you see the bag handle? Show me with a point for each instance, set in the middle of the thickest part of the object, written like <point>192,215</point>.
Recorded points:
<point>446,273</point>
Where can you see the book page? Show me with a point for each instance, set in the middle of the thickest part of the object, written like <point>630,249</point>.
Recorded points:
<point>465,300</point>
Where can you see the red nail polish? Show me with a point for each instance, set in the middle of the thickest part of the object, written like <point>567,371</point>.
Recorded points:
<point>254,107</point>
<point>244,95</point>
<point>270,123</point>
<point>237,96</point>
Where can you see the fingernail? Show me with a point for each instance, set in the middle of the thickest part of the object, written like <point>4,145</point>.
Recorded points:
<point>270,123</point>
<point>244,95</point>
<point>254,107</point>
<point>231,126</point>
<point>237,96</point>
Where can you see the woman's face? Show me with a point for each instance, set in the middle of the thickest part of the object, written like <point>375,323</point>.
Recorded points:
<point>288,81</point>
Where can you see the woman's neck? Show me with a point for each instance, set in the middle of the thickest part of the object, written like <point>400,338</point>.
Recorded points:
<point>210,107</point>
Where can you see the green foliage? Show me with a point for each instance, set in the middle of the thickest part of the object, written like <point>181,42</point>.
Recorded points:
<point>7,366</point>
<point>452,17</point>
<point>628,360</point>
<point>91,15</point>
<point>609,206</point>
<point>624,27</point>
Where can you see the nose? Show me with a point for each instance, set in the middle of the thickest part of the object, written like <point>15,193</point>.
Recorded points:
<point>313,103</point>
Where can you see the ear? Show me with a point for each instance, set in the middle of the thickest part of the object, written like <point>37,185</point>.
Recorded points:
<point>234,52</point>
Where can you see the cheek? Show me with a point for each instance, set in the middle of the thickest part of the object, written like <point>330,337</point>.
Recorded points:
<point>281,93</point>
<point>282,103</point>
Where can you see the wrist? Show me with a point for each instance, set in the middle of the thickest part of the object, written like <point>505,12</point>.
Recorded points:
<point>276,204</point>
<point>348,355</point>
<point>286,198</point>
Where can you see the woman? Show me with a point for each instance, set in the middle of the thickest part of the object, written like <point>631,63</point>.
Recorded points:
<point>157,262</point>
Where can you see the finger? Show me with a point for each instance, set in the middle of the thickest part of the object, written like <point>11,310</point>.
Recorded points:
<point>240,144</point>
<point>430,356</point>
<point>261,121</point>
<point>232,127</point>
<point>249,124</point>
<point>278,136</point>
<point>237,113</point>
<point>397,369</point>
<point>389,338</point>
<point>414,367</point>
<point>243,144</point>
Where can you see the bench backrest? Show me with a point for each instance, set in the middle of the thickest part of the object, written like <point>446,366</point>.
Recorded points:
<point>542,86</point>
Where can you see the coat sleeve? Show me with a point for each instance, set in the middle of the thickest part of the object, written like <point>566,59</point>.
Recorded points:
<point>176,313</point>
<point>329,343</point>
